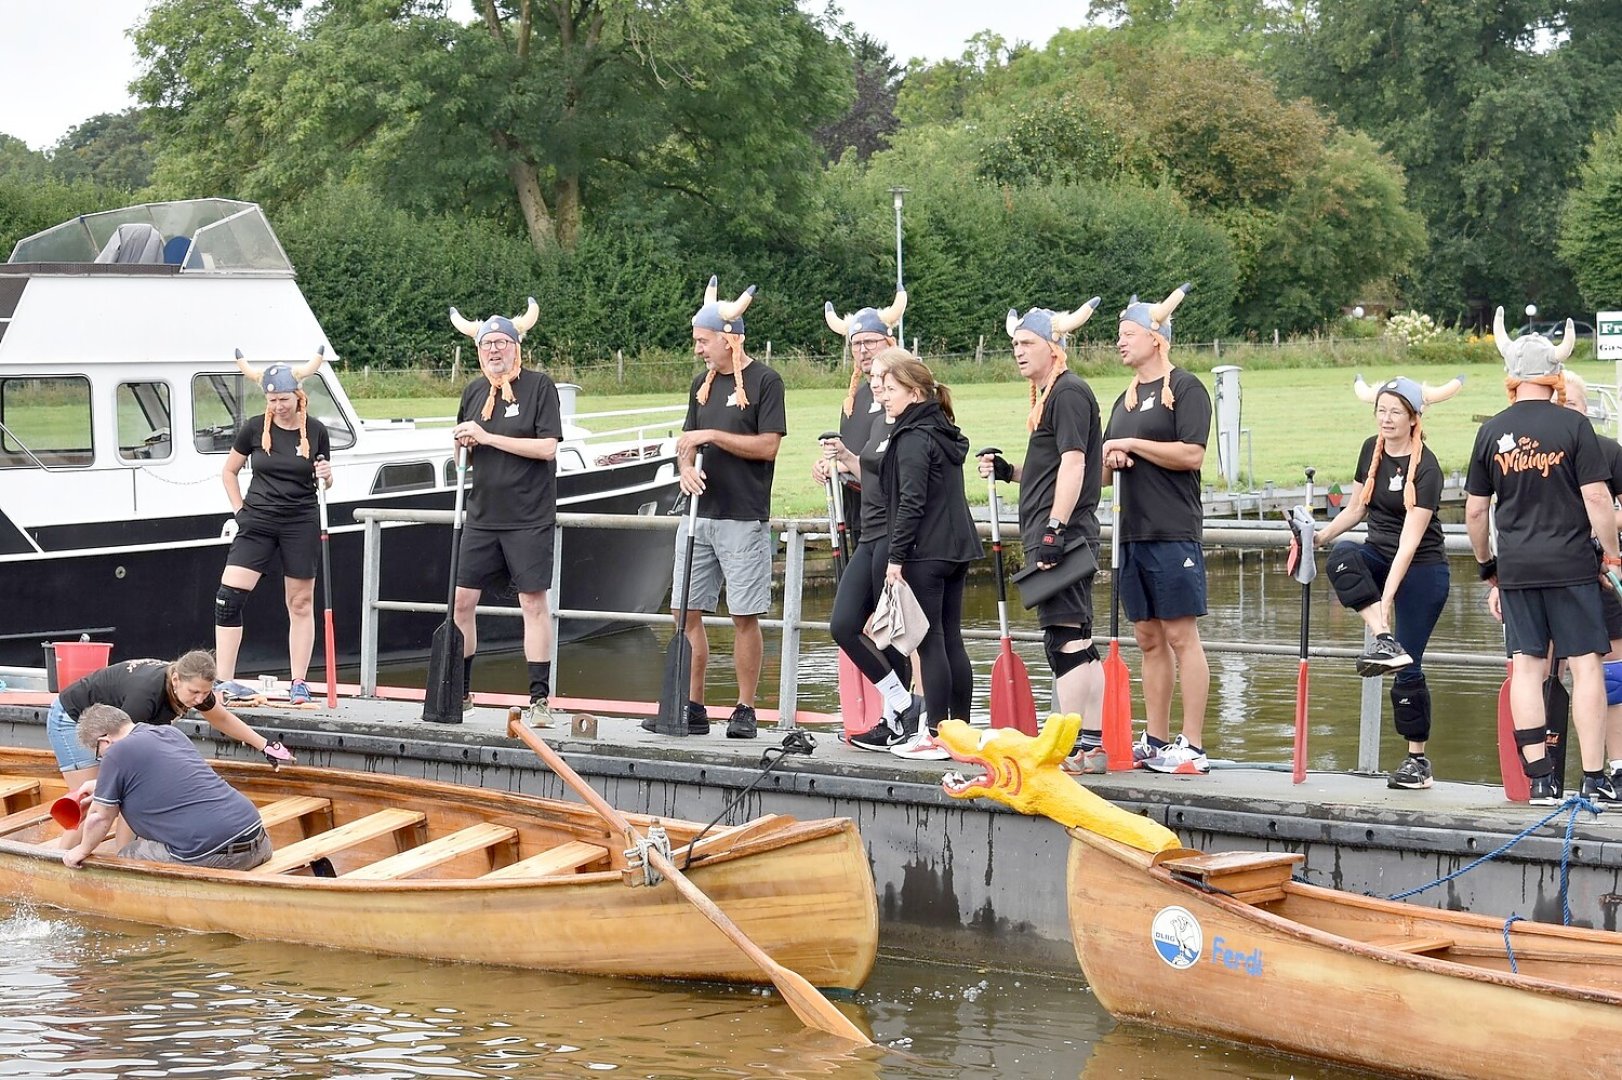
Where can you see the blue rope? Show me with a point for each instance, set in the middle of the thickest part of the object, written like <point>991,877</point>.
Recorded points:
<point>1509,949</point>
<point>1572,804</point>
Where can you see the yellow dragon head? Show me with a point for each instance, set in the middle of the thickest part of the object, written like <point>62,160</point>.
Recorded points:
<point>1023,772</point>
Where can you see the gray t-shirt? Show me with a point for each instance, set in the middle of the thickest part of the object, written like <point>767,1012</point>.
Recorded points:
<point>168,793</point>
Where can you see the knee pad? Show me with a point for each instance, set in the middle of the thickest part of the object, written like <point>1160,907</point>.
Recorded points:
<point>228,606</point>
<point>1613,682</point>
<point>1411,710</point>
<point>1055,638</point>
<point>1349,574</point>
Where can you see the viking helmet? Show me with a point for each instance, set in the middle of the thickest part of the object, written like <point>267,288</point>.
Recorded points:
<point>1156,317</point>
<point>1532,355</point>
<point>281,378</point>
<point>867,320</point>
<point>724,317</point>
<point>1051,326</point>
<point>513,328</point>
<point>1417,395</point>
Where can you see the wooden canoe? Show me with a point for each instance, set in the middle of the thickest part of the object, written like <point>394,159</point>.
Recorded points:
<point>1228,946</point>
<point>449,872</point>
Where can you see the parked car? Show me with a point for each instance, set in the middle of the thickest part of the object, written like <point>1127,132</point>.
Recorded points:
<point>1556,328</point>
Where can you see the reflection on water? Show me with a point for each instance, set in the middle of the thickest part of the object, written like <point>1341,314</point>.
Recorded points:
<point>1252,709</point>
<point>90,999</point>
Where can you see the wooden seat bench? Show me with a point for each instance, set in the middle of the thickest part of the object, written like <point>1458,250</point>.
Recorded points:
<point>17,793</point>
<point>300,807</point>
<point>563,859</point>
<point>483,836</point>
<point>348,835</point>
<point>1252,877</point>
<point>1413,945</point>
<point>27,817</point>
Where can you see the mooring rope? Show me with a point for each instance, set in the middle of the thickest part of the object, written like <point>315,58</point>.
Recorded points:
<point>1509,950</point>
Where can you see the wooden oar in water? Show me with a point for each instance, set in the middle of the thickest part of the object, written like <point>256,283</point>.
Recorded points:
<point>808,1004</point>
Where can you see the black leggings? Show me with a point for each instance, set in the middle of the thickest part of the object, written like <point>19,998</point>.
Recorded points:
<point>948,676</point>
<point>854,602</point>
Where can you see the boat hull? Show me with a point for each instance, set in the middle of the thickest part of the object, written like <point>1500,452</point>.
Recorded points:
<point>804,893</point>
<point>1247,974</point>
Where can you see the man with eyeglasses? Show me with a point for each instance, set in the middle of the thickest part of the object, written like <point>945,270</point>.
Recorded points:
<point>175,803</point>
<point>510,421</point>
<point>868,332</point>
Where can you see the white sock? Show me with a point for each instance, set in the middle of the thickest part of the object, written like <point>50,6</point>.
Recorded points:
<point>897,698</point>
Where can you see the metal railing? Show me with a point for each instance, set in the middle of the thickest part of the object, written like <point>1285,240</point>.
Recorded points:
<point>797,533</point>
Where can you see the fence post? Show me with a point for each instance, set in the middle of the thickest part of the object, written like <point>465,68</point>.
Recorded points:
<point>768,351</point>
<point>788,696</point>
<point>1216,347</point>
<point>980,351</point>
<point>371,561</point>
<point>1275,337</point>
<point>456,364</point>
<point>619,364</point>
<point>366,374</point>
<point>1368,720</point>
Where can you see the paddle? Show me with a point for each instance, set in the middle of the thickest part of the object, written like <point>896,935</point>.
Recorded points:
<point>1511,766</point>
<point>445,686</point>
<point>1012,704</point>
<point>1298,771</point>
<point>1117,679</point>
<point>326,589</point>
<point>811,1007</point>
<point>856,714</point>
<point>1556,721</point>
<point>676,687</point>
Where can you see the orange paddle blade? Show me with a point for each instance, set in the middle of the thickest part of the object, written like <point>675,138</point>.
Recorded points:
<point>1117,710</point>
<point>1517,788</point>
<point>1299,770</point>
<point>1011,702</point>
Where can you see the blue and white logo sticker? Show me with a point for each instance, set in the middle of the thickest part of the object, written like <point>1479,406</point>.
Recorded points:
<point>1177,937</point>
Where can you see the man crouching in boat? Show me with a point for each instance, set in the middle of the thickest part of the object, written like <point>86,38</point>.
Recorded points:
<point>177,805</point>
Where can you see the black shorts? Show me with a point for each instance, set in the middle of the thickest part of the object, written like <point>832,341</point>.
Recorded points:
<point>1612,609</point>
<point>1568,616</point>
<point>263,540</point>
<point>1071,606</point>
<point>492,557</point>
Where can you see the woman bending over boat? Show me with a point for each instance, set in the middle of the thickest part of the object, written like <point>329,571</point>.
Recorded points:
<point>1401,569</point>
<point>932,534</point>
<point>277,521</point>
<point>150,692</point>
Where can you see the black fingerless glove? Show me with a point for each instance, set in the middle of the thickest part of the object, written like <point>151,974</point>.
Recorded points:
<point>1001,471</point>
<point>1051,551</point>
<point>1488,569</point>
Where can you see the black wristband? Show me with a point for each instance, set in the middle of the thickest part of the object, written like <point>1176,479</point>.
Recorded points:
<point>1488,569</point>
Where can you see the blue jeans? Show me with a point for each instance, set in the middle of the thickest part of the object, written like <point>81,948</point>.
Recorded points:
<point>63,731</point>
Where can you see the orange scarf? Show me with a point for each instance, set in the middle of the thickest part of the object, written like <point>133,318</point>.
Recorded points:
<point>503,385</point>
<point>735,341</point>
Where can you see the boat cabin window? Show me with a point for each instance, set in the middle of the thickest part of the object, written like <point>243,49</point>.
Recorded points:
<point>406,476</point>
<point>143,421</point>
<point>220,402</point>
<point>46,423</point>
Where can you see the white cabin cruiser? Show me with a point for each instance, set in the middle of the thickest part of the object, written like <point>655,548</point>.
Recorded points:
<point>119,399</point>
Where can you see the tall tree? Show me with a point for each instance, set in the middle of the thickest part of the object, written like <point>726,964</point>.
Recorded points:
<point>109,149</point>
<point>1591,222</point>
<point>871,119</point>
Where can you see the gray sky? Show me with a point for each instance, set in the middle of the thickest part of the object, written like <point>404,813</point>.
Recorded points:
<point>55,72</point>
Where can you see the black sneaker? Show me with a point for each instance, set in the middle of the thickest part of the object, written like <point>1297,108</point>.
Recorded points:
<point>1601,790</point>
<point>881,736</point>
<point>698,719</point>
<point>1547,791</point>
<point>1384,654</point>
<point>742,723</point>
<point>1413,773</point>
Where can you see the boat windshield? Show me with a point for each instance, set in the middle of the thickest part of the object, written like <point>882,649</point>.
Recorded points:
<point>196,235</point>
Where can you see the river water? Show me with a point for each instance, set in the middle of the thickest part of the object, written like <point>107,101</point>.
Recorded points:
<point>87,1000</point>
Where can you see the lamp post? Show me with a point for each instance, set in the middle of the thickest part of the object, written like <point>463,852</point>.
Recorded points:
<point>1531,313</point>
<point>901,323</point>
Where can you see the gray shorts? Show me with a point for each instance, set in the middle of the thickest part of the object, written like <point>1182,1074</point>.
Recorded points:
<point>738,553</point>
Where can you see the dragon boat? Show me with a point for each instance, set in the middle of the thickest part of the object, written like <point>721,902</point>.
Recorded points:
<point>447,872</point>
<point>1228,945</point>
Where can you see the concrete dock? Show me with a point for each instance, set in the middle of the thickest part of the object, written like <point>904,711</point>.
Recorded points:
<point>957,878</point>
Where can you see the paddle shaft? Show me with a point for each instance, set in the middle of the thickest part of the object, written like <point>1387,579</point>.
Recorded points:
<point>677,709</point>
<point>996,552</point>
<point>808,1004</point>
<point>836,508</point>
<point>326,594</point>
<point>1115,554</point>
<point>456,532</point>
<point>1298,771</point>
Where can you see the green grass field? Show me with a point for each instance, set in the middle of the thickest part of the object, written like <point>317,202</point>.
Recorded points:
<point>1298,417</point>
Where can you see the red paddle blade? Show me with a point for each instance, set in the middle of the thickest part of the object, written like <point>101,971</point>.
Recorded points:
<point>1299,770</point>
<point>1517,788</point>
<point>860,703</point>
<point>332,664</point>
<point>1011,702</point>
<point>1117,710</point>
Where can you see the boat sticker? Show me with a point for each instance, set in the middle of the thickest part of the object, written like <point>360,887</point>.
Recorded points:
<point>1177,937</point>
<point>1235,958</point>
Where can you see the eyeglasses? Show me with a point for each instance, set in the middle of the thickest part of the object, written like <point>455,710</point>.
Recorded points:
<point>103,739</point>
<point>868,344</point>
<point>496,343</point>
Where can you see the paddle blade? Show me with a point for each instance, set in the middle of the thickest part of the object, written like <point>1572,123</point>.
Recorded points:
<point>860,703</point>
<point>674,687</point>
<point>1298,772</point>
<point>1517,788</point>
<point>1012,704</point>
<point>445,688</point>
<point>1556,723</point>
<point>1117,710</point>
<point>332,663</point>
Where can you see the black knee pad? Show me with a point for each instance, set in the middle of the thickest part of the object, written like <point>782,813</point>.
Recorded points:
<point>1411,710</point>
<point>228,606</point>
<point>1350,576</point>
<point>1055,638</point>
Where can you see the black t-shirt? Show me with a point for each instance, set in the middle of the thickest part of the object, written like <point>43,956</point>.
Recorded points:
<point>139,687</point>
<point>1612,450</point>
<point>283,483</point>
<point>875,503</point>
<point>864,414</point>
<point>1159,503</point>
<point>735,488</point>
<point>1387,511</point>
<point>1069,422</point>
<point>1535,456</point>
<point>510,491</point>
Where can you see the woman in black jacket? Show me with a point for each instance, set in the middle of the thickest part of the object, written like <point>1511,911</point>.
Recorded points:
<point>932,535</point>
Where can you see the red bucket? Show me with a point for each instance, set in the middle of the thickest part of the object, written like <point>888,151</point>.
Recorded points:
<point>76,659</point>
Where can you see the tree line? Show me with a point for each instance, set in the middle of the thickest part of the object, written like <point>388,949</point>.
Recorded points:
<point>606,156</point>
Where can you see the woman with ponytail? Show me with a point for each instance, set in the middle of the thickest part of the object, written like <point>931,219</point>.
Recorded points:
<point>277,521</point>
<point>1401,569</point>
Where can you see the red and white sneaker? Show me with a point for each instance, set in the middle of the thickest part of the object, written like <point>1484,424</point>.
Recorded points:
<point>1180,758</point>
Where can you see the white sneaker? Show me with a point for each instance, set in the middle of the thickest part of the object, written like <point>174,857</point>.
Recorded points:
<point>921,747</point>
<point>1179,757</point>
